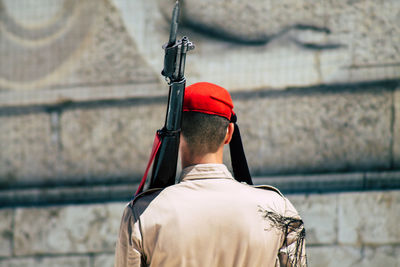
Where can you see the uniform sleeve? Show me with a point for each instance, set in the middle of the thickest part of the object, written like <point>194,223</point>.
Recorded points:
<point>293,250</point>
<point>128,247</point>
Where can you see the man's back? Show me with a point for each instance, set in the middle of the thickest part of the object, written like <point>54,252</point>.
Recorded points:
<point>209,219</point>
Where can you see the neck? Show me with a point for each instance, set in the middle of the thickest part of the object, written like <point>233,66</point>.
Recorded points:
<point>189,159</point>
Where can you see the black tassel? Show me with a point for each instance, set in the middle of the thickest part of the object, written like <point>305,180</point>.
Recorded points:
<point>239,163</point>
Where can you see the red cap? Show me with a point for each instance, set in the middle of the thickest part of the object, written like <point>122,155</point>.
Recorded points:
<point>208,98</point>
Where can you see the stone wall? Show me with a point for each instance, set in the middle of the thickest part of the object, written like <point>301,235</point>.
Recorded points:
<point>317,93</point>
<point>343,229</point>
<point>88,113</point>
<point>309,130</point>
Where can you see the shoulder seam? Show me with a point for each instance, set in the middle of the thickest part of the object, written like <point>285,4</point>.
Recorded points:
<point>269,187</point>
<point>145,193</point>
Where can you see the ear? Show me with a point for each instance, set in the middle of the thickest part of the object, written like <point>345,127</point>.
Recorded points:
<point>229,133</point>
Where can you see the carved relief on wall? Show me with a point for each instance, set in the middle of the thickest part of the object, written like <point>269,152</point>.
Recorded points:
<point>37,40</point>
<point>276,44</point>
<point>64,43</point>
<point>241,44</point>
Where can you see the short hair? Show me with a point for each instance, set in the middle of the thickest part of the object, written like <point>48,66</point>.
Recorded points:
<point>203,133</point>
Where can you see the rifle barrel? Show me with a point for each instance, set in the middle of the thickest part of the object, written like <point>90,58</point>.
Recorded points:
<point>174,25</point>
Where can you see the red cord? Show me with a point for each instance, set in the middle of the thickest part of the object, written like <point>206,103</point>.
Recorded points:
<point>156,146</point>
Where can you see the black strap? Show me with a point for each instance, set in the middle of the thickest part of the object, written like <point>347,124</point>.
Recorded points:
<point>239,163</point>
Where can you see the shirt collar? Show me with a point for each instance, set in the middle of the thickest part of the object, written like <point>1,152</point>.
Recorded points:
<point>205,171</point>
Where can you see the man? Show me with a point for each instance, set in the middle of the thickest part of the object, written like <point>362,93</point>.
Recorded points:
<point>209,219</point>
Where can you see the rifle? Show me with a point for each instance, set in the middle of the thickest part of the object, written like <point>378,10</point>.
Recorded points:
<point>166,146</point>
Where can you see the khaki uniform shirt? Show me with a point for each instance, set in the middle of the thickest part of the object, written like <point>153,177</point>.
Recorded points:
<point>209,219</point>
